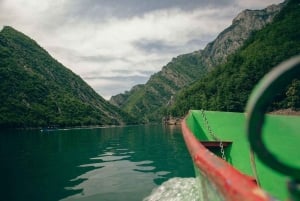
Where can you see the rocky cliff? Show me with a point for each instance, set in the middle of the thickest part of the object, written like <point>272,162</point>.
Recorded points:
<point>227,87</point>
<point>148,100</point>
<point>243,25</point>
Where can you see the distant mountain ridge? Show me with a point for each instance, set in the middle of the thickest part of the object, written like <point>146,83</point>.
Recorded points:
<point>37,91</point>
<point>147,101</point>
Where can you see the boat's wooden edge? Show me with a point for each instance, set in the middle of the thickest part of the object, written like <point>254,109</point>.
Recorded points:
<point>234,185</point>
<point>209,144</point>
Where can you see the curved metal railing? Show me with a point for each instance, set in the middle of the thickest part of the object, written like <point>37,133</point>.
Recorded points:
<point>260,99</point>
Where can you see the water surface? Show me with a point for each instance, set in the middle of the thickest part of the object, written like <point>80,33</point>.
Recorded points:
<point>120,163</point>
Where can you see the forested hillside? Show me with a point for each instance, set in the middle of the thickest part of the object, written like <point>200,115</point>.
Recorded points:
<point>37,91</point>
<point>147,101</point>
<point>228,86</point>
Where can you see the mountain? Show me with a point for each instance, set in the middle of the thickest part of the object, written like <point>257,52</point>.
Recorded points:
<point>228,86</point>
<point>147,101</point>
<point>36,90</point>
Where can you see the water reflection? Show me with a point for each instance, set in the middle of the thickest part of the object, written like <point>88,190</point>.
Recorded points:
<point>91,164</point>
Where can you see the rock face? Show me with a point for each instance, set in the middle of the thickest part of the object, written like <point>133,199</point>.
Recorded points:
<point>234,36</point>
<point>228,86</point>
<point>148,100</point>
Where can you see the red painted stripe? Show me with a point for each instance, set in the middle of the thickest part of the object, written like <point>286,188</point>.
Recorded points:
<point>231,183</point>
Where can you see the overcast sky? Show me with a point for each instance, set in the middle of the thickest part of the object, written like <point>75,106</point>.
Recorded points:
<point>116,44</point>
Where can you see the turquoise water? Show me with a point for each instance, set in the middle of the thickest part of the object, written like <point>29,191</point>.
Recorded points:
<point>120,163</point>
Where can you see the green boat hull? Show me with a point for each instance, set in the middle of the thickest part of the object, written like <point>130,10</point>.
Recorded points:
<point>280,136</point>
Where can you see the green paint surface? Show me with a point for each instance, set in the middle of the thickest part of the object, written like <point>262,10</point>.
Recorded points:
<point>280,135</point>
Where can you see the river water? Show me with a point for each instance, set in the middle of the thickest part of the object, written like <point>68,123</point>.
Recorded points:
<point>118,163</point>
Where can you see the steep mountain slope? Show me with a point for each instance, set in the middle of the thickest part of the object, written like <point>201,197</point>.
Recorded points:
<point>148,100</point>
<point>228,86</point>
<point>36,90</point>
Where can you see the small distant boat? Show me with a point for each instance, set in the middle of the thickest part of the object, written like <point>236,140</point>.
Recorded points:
<point>248,156</point>
<point>171,120</point>
<point>50,128</point>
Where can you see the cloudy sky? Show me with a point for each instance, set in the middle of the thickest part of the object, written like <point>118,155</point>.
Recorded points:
<point>116,44</point>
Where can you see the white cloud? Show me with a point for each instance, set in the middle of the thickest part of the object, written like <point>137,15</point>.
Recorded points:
<point>256,4</point>
<point>115,38</point>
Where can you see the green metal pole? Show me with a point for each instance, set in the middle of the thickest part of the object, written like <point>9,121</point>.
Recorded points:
<point>257,105</point>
